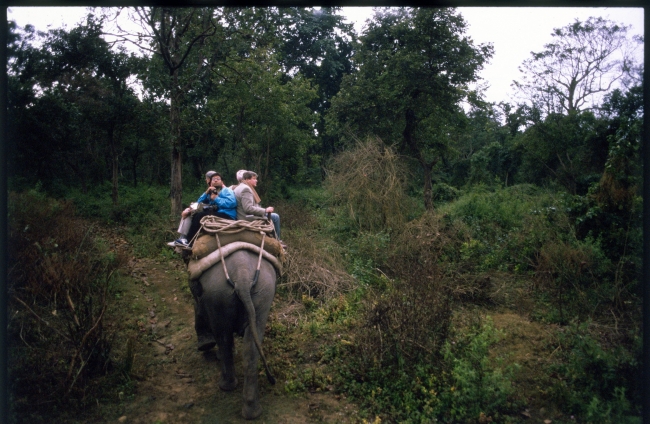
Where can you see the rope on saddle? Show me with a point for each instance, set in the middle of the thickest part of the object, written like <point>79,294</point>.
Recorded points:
<point>213,224</point>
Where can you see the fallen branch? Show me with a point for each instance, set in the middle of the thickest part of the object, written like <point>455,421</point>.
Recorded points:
<point>41,319</point>
<point>81,345</point>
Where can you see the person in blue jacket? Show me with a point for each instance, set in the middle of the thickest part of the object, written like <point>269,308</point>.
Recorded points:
<point>217,200</point>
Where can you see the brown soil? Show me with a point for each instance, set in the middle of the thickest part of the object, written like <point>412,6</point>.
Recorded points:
<point>174,382</point>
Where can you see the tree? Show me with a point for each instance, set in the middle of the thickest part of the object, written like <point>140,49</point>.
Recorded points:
<point>319,45</point>
<point>174,36</point>
<point>255,119</point>
<point>568,149</point>
<point>585,61</point>
<point>69,103</point>
<point>414,68</point>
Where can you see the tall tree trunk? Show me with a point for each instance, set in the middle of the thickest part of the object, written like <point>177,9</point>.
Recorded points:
<point>409,140</point>
<point>114,164</point>
<point>428,192</point>
<point>176,187</point>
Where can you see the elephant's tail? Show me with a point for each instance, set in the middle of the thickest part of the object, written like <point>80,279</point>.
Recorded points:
<point>245,296</point>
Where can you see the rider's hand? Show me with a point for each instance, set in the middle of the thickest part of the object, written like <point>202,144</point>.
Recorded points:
<point>269,209</point>
<point>186,212</point>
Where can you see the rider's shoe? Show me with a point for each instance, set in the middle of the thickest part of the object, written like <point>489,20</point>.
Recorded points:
<point>181,242</point>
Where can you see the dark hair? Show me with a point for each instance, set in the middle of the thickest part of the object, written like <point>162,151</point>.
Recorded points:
<point>248,175</point>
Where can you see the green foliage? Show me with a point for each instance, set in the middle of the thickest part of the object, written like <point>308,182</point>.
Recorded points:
<point>567,150</point>
<point>507,227</point>
<point>475,383</point>
<point>371,248</point>
<point>462,384</point>
<point>414,68</point>
<point>599,382</point>
<point>445,193</point>
<point>143,212</point>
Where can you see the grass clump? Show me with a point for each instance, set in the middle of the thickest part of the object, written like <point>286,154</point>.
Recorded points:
<point>368,184</point>
<point>598,380</point>
<point>58,290</point>
<point>314,265</point>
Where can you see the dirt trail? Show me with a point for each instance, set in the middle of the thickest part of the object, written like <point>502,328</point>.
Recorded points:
<point>175,383</point>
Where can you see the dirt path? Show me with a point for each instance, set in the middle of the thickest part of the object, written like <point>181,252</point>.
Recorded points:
<point>174,382</point>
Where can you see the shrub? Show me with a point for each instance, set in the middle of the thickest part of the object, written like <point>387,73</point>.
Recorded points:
<point>597,381</point>
<point>313,268</point>
<point>570,274</point>
<point>57,297</point>
<point>368,183</point>
<point>390,365</point>
<point>474,384</point>
<point>444,192</point>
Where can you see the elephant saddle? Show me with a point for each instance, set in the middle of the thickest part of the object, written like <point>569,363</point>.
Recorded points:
<point>229,232</point>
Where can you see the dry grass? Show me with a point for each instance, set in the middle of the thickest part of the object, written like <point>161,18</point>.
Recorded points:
<point>427,239</point>
<point>368,182</point>
<point>57,296</point>
<point>314,265</point>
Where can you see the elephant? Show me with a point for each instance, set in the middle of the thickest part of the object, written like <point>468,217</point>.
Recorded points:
<point>237,299</point>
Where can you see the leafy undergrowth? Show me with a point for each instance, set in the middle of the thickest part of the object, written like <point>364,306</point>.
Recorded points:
<point>465,314</point>
<point>170,381</point>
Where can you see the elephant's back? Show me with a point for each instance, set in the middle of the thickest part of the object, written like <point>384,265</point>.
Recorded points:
<point>241,266</point>
<point>244,264</point>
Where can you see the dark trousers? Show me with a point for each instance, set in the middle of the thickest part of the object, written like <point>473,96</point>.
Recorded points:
<point>196,221</point>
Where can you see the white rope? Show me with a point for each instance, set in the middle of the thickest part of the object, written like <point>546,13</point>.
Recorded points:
<point>213,224</point>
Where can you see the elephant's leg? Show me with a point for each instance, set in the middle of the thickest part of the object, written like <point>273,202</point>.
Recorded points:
<point>228,380</point>
<point>204,334</point>
<point>262,297</point>
<point>251,396</point>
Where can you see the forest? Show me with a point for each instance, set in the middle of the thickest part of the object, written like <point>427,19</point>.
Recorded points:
<point>449,259</point>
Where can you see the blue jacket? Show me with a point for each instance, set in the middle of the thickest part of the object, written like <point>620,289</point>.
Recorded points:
<point>225,201</point>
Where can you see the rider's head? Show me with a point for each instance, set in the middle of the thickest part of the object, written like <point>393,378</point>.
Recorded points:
<point>240,175</point>
<point>209,175</point>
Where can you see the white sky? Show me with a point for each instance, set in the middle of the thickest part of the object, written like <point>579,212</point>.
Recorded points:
<point>514,31</point>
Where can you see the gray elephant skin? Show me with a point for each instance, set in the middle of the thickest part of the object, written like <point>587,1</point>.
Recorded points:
<point>226,308</point>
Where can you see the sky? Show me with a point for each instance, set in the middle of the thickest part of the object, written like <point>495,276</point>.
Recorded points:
<point>514,32</point>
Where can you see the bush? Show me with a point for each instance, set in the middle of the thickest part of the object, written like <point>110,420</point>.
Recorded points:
<point>368,184</point>
<point>599,382</point>
<point>444,192</point>
<point>571,275</point>
<point>475,384</point>
<point>391,364</point>
<point>57,297</point>
<point>314,266</point>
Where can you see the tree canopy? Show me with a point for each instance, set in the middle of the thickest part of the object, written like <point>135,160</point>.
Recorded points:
<point>281,90</point>
<point>585,60</point>
<point>414,68</point>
